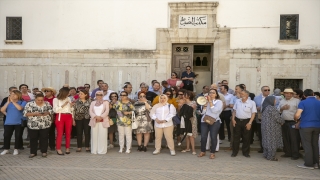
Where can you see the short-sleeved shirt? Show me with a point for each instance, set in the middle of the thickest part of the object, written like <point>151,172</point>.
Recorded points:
<point>38,122</point>
<point>14,116</point>
<point>244,110</point>
<point>190,75</point>
<point>310,116</point>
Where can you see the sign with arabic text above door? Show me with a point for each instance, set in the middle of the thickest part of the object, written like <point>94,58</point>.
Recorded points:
<point>193,21</point>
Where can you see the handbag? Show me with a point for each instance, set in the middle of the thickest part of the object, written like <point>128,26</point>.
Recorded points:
<point>209,120</point>
<point>134,122</point>
<point>176,120</point>
<point>148,115</point>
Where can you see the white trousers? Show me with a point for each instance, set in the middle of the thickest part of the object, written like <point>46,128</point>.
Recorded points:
<point>209,142</point>
<point>99,139</point>
<point>125,131</point>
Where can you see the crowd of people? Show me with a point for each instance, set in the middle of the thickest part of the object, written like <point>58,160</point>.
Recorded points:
<point>284,120</point>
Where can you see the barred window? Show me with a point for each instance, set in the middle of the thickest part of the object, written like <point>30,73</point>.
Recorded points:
<point>289,26</point>
<point>14,28</point>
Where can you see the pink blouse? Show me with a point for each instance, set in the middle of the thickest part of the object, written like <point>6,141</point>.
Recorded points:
<point>172,82</point>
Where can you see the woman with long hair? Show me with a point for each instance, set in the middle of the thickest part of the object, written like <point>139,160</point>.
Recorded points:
<point>213,109</point>
<point>99,122</point>
<point>82,118</point>
<point>113,116</point>
<point>62,106</point>
<point>189,128</point>
<point>13,110</point>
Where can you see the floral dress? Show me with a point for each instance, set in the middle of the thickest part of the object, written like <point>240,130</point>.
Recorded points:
<point>144,126</point>
<point>123,120</point>
<point>194,120</point>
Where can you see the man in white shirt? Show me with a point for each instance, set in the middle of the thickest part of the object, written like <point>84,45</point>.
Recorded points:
<point>242,117</point>
<point>106,91</point>
<point>291,136</point>
<point>226,113</point>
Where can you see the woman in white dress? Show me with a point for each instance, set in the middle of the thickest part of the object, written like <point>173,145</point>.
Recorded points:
<point>99,123</point>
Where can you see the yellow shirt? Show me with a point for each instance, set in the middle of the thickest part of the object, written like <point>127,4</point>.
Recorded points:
<point>170,101</point>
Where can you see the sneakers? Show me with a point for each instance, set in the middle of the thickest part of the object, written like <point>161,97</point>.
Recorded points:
<point>110,146</point>
<point>128,151</point>
<point>156,152</point>
<point>173,153</point>
<point>4,152</point>
<point>15,152</point>
<point>304,167</point>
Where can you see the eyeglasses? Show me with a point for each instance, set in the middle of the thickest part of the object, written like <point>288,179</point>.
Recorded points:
<point>180,94</point>
<point>47,91</point>
<point>113,96</point>
<point>266,90</point>
<point>123,95</point>
<point>142,96</point>
<point>99,95</point>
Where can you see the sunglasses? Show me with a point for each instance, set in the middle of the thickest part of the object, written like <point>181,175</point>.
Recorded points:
<point>266,90</point>
<point>142,96</point>
<point>47,91</point>
<point>123,95</point>
<point>98,94</point>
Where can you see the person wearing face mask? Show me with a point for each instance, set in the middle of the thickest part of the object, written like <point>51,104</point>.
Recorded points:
<point>162,114</point>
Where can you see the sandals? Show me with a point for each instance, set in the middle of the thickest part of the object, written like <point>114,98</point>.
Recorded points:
<point>194,153</point>
<point>185,150</point>
<point>32,155</point>
<point>44,155</point>
<point>78,150</point>
<point>212,156</point>
<point>202,154</point>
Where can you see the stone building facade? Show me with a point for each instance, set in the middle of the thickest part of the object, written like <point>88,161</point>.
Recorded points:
<point>209,49</point>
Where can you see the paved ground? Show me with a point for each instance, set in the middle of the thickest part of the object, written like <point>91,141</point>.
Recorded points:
<point>144,165</point>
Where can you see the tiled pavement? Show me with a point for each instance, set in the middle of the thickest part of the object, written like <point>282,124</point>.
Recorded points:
<point>144,165</point>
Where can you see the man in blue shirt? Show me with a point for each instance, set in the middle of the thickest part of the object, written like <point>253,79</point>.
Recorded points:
<point>309,114</point>
<point>99,83</point>
<point>187,79</point>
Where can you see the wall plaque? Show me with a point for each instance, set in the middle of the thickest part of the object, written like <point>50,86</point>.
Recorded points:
<point>193,21</point>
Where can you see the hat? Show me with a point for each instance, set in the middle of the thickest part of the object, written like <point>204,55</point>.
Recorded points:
<point>50,89</point>
<point>289,90</point>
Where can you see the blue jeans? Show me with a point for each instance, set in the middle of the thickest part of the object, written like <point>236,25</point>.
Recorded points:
<point>214,130</point>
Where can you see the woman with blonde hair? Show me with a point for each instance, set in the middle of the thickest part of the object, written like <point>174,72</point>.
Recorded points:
<point>162,114</point>
<point>13,110</point>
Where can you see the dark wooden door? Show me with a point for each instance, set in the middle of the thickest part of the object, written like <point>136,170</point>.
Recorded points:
<point>182,56</point>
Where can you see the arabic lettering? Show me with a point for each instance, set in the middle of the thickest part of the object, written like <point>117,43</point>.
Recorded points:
<point>187,21</point>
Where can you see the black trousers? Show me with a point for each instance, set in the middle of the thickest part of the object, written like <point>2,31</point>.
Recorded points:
<point>83,127</point>
<point>199,122</point>
<point>52,135</point>
<point>40,135</point>
<point>188,87</point>
<point>238,130</point>
<point>225,119</point>
<point>8,132</point>
<point>258,127</point>
<point>21,135</point>
<point>291,139</point>
<point>309,139</point>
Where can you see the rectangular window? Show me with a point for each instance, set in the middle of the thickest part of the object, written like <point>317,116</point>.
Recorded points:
<point>14,28</point>
<point>289,26</point>
<point>284,83</point>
